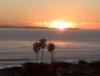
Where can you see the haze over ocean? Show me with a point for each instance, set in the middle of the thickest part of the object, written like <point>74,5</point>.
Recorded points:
<point>16,44</point>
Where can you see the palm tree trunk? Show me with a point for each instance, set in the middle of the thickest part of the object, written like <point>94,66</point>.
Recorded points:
<point>36,57</point>
<point>42,56</point>
<point>52,56</point>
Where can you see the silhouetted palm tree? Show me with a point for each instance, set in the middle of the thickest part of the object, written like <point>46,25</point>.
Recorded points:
<point>42,45</point>
<point>51,48</point>
<point>36,48</point>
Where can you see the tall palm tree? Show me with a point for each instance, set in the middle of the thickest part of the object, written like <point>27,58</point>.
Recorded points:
<point>42,45</point>
<point>51,48</point>
<point>36,48</point>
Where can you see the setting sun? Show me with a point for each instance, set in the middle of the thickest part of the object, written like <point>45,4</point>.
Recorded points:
<point>61,25</point>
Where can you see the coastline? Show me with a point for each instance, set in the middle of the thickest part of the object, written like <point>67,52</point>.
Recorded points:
<point>80,68</point>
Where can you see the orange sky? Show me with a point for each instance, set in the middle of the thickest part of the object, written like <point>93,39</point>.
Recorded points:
<point>84,13</point>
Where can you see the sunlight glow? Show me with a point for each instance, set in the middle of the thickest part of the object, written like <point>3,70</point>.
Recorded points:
<point>61,25</point>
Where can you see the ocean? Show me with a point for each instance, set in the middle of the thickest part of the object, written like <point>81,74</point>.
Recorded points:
<point>71,45</point>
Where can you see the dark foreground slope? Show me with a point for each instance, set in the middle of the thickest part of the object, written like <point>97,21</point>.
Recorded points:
<point>82,68</point>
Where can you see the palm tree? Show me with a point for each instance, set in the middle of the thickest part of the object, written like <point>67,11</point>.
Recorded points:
<point>42,45</point>
<point>36,48</point>
<point>51,48</point>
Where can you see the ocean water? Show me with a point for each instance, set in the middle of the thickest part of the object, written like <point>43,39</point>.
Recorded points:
<point>71,45</point>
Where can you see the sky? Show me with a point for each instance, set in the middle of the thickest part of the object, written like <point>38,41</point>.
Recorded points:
<point>84,13</point>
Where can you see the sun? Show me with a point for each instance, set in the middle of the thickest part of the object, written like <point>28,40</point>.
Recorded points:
<point>60,25</point>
